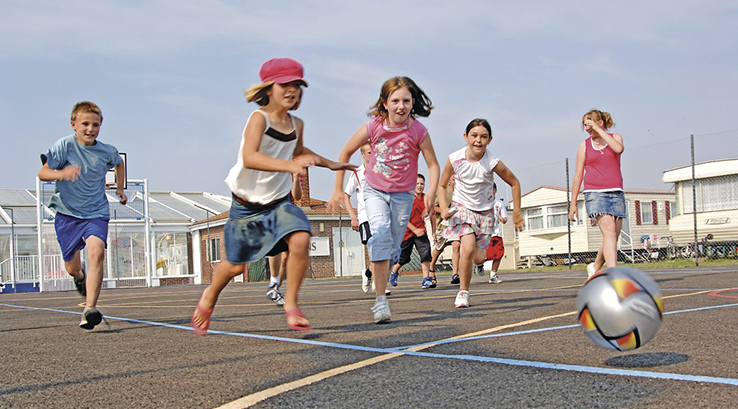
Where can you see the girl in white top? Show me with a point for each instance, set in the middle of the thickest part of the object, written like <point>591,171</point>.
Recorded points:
<point>262,220</point>
<point>470,217</point>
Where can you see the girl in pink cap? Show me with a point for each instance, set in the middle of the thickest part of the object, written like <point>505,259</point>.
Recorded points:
<point>262,220</point>
<point>396,140</point>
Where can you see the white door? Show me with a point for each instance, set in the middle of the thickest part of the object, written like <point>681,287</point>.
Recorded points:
<point>348,252</point>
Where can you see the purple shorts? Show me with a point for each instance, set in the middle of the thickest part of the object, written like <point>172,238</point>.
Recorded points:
<point>71,233</point>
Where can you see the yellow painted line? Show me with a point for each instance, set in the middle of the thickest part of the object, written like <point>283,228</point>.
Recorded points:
<point>250,400</point>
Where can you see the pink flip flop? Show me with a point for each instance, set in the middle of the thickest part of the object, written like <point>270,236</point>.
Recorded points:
<point>201,329</point>
<point>295,312</point>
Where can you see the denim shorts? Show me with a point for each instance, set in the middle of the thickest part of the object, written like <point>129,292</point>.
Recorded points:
<point>72,233</point>
<point>254,232</point>
<point>388,214</point>
<point>598,203</point>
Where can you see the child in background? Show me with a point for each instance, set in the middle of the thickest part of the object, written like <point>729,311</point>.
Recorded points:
<point>598,164</point>
<point>78,163</point>
<point>396,140</point>
<point>359,220</point>
<point>441,242</point>
<point>496,249</point>
<point>262,220</point>
<point>472,219</point>
<point>415,236</point>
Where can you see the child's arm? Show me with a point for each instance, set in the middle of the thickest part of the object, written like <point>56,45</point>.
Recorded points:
<point>506,174</point>
<point>350,211</point>
<point>70,172</point>
<point>448,173</point>
<point>296,188</point>
<point>615,142</point>
<point>253,159</point>
<point>577,184</point>
<point>120,175</point>
<point>327,163</point>
<point>354,143</point>
<point>433,171</point>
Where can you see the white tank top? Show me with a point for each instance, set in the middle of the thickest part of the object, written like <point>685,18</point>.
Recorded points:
<point>259,186</point>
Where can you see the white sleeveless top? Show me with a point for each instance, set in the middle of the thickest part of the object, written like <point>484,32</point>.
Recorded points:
<point>259,186</point>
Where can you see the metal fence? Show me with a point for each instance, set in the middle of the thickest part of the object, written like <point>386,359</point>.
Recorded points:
<point>681,197</point>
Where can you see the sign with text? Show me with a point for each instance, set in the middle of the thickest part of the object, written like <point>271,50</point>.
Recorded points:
<point>319,246</point>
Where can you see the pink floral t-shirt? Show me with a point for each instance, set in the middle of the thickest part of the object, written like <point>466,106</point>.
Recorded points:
<point>393,164</point>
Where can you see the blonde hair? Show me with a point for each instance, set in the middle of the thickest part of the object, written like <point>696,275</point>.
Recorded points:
<point>258,93</point>
<point>596,115</point>
<point>84,107</point>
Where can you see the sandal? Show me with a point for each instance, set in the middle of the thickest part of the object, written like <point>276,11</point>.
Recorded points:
<point>295,312</point>
<point>203,328</point>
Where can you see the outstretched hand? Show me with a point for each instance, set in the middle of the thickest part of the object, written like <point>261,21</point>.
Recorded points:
<point>518,221</point>
<point>299,164</point>
<point>341,166</point>
<point>334,203</point>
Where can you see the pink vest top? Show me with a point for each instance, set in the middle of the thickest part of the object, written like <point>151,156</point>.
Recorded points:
<point>601,169</point>
<point>393,164</point>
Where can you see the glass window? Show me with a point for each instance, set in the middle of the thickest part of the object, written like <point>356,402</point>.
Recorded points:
<point>646,213</point>
<point>214,249</point>
<point>534,219</point>
<point>556,216</point>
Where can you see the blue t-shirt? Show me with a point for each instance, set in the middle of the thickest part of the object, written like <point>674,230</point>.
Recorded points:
<point>85,197</point>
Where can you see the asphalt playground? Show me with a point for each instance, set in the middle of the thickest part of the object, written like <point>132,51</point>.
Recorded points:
<point>517,346</point>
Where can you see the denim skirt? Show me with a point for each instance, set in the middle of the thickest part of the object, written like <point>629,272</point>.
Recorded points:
<point>599,203</point>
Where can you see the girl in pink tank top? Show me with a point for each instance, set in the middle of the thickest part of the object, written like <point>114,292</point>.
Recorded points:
<point>598,165</point>
<point>396,140</point>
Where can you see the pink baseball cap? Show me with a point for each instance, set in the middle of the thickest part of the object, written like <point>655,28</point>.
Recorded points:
<point>282,71</point>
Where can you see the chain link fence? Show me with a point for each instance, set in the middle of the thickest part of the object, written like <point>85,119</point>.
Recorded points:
<point>664,184</point>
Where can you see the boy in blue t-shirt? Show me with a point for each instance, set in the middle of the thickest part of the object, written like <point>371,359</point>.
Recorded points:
<point>78,163</point>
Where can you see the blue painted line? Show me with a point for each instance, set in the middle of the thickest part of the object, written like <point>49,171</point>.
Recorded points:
<point>475,358</point>
<point>530,331</point>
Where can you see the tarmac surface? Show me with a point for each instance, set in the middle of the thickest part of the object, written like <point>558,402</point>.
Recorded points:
<point>518,345</point>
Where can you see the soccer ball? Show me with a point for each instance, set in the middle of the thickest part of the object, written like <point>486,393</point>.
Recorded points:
<point>620,308</point>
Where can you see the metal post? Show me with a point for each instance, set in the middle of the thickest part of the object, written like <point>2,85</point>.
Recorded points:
<point>13,266</point>
<point>39,235</point>
<point>568,209</point>
<point>208,253</point>
<point>694,206</point>
<point>340,242</point>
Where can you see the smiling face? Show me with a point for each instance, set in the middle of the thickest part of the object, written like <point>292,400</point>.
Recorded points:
<point>87,127</point>
<point>399,105</point>
<point>287,95</point>
<point>477,140</point>
<point>419,186</point>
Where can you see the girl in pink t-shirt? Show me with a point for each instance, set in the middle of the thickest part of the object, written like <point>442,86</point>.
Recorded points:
<point>396,140</point>
<point>598,165</point>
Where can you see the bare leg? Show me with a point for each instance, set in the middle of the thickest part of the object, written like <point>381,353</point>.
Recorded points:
<point>610,227</point>
<point>466,257</point>
<point>283,267</point>
<point>222,275</point>
<point>297,263</point>
<point>74,266</point>
<point>275,262</point>
<point>455,254</point>
<point>380,270</point>
<point>95,259</point>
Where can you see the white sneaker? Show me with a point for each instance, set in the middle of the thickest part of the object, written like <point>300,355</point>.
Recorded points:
<point>462,299</point>
<point>591,270</point>
<point>367,284</point>
<point>381,312</point>
<point>493,279</point>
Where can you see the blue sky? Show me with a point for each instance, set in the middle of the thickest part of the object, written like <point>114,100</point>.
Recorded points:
<point>170,75</point>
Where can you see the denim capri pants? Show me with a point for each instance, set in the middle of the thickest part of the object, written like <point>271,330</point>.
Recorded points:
<point>599,203</point>
<point>388,214</point>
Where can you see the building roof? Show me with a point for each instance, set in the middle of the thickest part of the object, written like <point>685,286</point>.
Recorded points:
<point>166,207</point>
<point>702,170</point>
